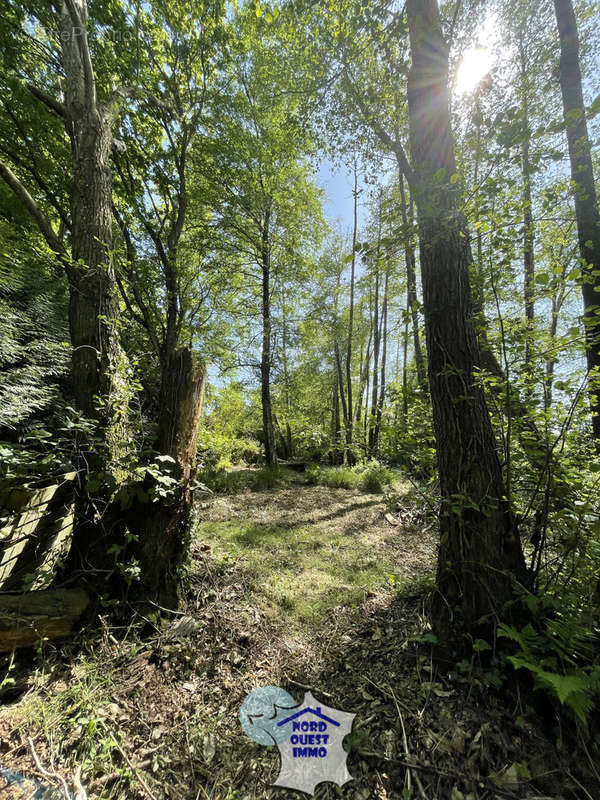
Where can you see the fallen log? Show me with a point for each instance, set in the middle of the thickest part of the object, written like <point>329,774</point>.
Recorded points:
<point>27,618</point>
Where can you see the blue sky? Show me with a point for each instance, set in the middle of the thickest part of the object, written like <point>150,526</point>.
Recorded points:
<point>337,181</point>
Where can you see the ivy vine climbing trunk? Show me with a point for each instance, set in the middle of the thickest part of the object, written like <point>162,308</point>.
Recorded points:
<point>480,551</point>
<point>587,212</point>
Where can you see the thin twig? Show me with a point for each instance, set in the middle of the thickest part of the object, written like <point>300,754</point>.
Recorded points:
<point>406,751</point>
<point>45,772</point>
<point>134,769</point>
<point>309,688</point>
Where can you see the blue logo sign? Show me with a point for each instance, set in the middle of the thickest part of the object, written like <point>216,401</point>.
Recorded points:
<point>308,735</point>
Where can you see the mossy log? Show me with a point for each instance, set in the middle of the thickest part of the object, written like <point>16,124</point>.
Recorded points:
<point>27,618</point>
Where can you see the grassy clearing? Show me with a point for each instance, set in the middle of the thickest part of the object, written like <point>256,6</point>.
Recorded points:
<point>298,570</point>
<point>303,563</point>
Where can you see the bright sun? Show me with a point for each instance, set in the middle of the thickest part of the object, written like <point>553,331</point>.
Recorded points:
<point>474,65</point>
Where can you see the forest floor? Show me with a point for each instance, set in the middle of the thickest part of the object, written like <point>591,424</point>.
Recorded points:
<point>303,587</point>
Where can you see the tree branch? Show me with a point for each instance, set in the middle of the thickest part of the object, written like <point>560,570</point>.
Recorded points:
<point>34,210</point>
<point>393,144</point>
<point>79,22</point>
<point>53,105</point>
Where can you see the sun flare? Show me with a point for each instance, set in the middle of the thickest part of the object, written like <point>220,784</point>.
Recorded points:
<point>474,66</point>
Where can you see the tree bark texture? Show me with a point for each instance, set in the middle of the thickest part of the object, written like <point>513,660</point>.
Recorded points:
<point>480,551</point>
<point>93,305</point>
<point>586,201</point>
<point>265,363</point>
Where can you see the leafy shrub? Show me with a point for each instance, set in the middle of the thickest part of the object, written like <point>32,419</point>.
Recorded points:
<point>339,478</point>
<point>375,478</point>
<point>334,477</point>
<point>558,647</point>
<point>314,474</point>
<point>245,451</point>
<point>217,450</point>
<point>371,477</point>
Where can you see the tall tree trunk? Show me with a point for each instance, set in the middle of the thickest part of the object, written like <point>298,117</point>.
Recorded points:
<point>528,227</point>
<point>480,551</point>
<point>367,378</point>
<point>584,190</point>
<point>265,363</point>
<point>381,393</point>
<point>338,362</point>
<point>335,418</point>
<point>351,311</point>
<point>93,307</point>
<point>364,379</point>
<point>93,304</point>
<point>358,406</point>
<point>411,281</point>
<point>404,367</point>
<point>376,345</point>
<point>284,352</point>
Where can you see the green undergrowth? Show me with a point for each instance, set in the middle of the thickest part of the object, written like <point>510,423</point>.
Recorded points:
<point>371,477</point>
<point>224,481</point>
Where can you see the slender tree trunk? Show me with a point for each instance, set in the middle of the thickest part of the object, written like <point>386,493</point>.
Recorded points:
<point>530,438</point>
<point>381,393</point>
<point>480,281</point>
<point>284,353</point>
<point>558,299</point>
<point>480,551</point>
<point>265,363</point>
<point>367,378</point>
<point>551,362</point>
<point>335,418</point>
<point>376,345</point>
<point>279,434</point>
<point>586,201</point>
<point>338,362</point>
<point>351,311</point>
<point>364,379</point>
<point>358,405</point>
<point>528,226</point>
<point>404,367</point>
<point>411,281</point>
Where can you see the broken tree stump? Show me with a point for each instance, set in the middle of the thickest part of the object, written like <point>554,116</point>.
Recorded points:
<point>50,614</point>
